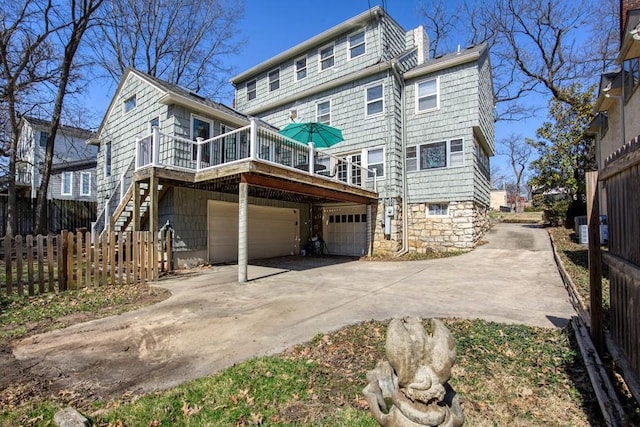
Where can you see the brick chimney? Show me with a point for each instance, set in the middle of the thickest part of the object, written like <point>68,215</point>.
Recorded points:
<point>625,6</point>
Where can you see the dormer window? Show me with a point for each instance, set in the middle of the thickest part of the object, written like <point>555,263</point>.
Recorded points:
<point>301,68</point>
<point>274,80</point>
<point>326,57</point>
<point>251,90</point>
<point>356,45</point>
<point>129,104</point>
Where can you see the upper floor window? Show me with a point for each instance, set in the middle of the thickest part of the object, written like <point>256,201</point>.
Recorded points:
<point>326,57</point>
<point>375,161</point>
<point>427,95</point>
<point>374,100</point>
<point>274,80</point>
<point>44,136</point>
<point>323,112</point>
<point>301,68</point>
<point>107,159</point>
<point>67,184</point>
<point>129,104</point>
<point>251,90</point>
<point>631,76</point>
<point>481,158</point>
<point>356,45</point>
<point>200,128</point>
<point>85,184</point>
<point>436,155</point>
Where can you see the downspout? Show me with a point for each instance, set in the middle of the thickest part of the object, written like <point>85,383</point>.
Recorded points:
<point>403,149</point>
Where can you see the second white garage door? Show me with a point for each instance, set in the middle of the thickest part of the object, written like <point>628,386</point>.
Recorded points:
<point>272,231</point>
<point>345,230</point>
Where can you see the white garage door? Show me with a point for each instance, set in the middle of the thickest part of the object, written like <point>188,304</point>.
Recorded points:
<point>272,231</point>
<point>345,230</point>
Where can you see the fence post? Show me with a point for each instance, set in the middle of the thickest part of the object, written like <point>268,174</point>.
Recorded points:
<point>64,254</point>
<point>7,264</point>
<point>595,260</point>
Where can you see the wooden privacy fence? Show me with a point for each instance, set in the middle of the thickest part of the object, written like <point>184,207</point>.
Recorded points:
<point>621,179</point>
<point>52,263</point>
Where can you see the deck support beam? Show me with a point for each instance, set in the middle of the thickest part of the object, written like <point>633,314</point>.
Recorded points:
<point>243,231</point>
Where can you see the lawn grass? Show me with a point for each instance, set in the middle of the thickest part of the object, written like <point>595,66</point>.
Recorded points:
<point>506,375</point>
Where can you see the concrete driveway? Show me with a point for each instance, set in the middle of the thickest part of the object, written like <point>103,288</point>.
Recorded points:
<point>211,321</point>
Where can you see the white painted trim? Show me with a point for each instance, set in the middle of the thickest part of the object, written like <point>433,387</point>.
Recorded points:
<point>82,176</point>
<point>333,55</point>
<point>322,101</point>
<point>365,160</point>
<point>62,180</point>
<point>366,101</point>
<point>364,42</point>
<point>269,79</point>
<point>124,104</point>
<point>417,98</point>
<point>295,69</point>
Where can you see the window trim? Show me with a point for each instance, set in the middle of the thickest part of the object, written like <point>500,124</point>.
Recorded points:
<point>151,126</point>
<point>322,102</point>
<point>333,57</point>
<point>194,153</point>
<point>350,47</point>
<point>437,93</point>
<point>254,91</point>
<point>367,101</point>
<point>85,176</point>
<point>62,182</point>
<point>296,70</point>
<point>430,215</point>
<point>365,156</point>
<point>270,82</point>
<point>125,103</point>
<point>447,142</point>
<point>108,158</point>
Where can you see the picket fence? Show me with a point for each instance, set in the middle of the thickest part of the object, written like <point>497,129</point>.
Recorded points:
<point>40,264</point>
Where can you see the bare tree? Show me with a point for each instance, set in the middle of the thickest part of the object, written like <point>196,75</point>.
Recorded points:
<point>82,13</point>
<point>519,152</point>
<point>182,41</point>
<point>540,46</point>
<point>440,21</point>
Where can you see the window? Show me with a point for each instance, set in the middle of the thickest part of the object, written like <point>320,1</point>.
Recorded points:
<point>251,90</point>
<point>129,104</point>
<point>107,159</point>
<point>44,136</point>
<point>631,76</point>
<point>436,155</point>
<point>427,95</point>
<point>375,160</point>
<point>356,45</point>
<point>438,209</point>
<point>326,57</point>
<point>323,112</point>
<point>374,100</point>
<point>274,80</point>
<point>482,158</point>
<point>301,68</point>
<point>351,174</point>
<point>154,123</point>
<point>200,128</point>
<point>85,184</point>
<point>67,184</point>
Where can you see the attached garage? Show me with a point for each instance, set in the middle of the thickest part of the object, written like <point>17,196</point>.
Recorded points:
<point>272,231</point>
<point>345,230</point>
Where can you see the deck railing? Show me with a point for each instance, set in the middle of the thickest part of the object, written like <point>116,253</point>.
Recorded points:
<point>250,142</point>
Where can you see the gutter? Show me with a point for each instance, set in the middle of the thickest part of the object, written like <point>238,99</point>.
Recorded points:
<point>403,149</point>
<point>173,98</point>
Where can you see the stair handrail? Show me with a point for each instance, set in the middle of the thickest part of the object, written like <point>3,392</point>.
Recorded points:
<point>120,189</point>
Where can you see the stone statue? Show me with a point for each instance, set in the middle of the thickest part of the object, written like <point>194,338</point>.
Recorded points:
<point>411,389</point>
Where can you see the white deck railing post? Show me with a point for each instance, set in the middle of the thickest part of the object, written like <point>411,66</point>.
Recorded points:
<point>155,150</point>
<point>312,158</point>
<point>198,152</point>
<point>253,139</point>
<point>122,189</point>
<point>137,153</point>
<point>106,214</point>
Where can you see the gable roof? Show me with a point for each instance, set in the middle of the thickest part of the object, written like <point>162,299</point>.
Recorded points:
<point>41,124</point>
<point>320,39</point>
<point>171,93</point>
<point>472,53</point>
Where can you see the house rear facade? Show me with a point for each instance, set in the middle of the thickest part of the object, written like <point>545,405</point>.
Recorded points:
<point>425,125</point>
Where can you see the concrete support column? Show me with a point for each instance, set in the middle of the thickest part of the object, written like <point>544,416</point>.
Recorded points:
<point>153,202</point>
<point>370,225</point>
<point>243,231</point>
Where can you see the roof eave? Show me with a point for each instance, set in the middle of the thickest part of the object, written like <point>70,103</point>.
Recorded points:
<point>458,59</point>
<point>174,98</point>
<point>303,47</point>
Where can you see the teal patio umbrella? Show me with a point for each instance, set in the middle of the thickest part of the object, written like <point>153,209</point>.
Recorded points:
<point>322,136</point>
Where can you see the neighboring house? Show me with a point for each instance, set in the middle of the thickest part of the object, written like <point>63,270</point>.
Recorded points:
<point>231,188</point>
<point>617,106</point>
<point>499,200</point>
<point>73,172</point>
<point>426,125</point>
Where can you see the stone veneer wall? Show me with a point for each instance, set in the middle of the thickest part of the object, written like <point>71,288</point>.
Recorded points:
<point>382,244</point>
<point>465,225</point>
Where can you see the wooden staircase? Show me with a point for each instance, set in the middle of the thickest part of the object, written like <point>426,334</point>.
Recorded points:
<point>122,217</point>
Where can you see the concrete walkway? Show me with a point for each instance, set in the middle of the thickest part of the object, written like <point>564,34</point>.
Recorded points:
<point>211,322</point>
